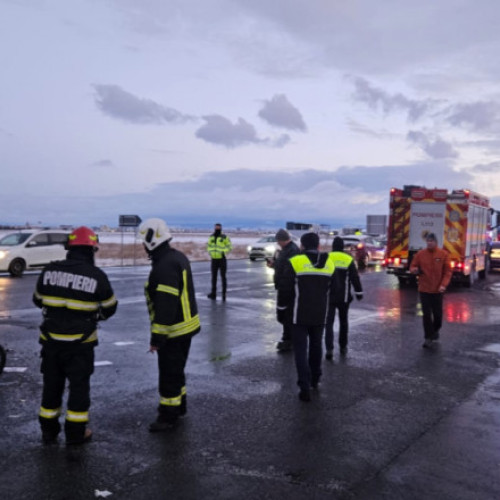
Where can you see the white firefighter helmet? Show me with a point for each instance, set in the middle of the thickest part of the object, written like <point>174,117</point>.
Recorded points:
<point>154,232</point>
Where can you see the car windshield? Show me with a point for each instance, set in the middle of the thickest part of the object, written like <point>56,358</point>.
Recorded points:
<point>14,239</point>
<point>267,239</point>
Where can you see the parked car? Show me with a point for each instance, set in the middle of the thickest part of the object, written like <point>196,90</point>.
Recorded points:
<point>494,255</point>
<point>266,247</point>
<point>364,249</point>
<point>31,249</point>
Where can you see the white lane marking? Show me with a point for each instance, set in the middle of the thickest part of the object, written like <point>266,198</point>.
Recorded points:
<point>102,363</point>
<point>124,343</point>
<point>15,369</point>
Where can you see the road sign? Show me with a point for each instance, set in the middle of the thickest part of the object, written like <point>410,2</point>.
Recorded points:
<point>129,220</point>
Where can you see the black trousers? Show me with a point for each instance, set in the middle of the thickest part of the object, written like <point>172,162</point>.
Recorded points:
<point>172,358</point>
<point>219,265</point>
<point>74,363</point>
<point>287,324</point>
<point>432,310</point>
<point>307,350</point>
<point>343,309</point>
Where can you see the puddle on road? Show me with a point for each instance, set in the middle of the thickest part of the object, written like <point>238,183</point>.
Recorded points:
<point>491,348</point>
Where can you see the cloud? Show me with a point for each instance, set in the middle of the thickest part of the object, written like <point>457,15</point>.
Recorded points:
<point>487,168</point>
<point>359,128</point>
<point>250,197</point>
<point>221,131</point>
<point>377,98</point>
<point>103,163</point>
<point>279,112</point>
<point>437,148</point>
<point>113,101</point>
<point>478,116</point>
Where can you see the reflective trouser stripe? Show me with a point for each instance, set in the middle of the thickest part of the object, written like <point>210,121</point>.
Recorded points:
<point>46,413</point>
<point>77,416</point>
<point>171,401</point>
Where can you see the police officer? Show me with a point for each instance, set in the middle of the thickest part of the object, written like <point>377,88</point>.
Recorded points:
<point>74,295</point>
<point>218,246</point>
<point>346,277</point>
<point>304,289</point>
<point>287,249</point>
<point>173,312</point>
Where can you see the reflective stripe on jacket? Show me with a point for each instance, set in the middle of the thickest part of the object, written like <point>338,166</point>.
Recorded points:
<point>306,286</point>
<point>219,246</point>
<point>74,295</point>
<point>170,296</point>
<point>346,275</point>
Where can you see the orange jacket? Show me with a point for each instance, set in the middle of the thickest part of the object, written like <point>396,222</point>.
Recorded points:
<point>434,267</point>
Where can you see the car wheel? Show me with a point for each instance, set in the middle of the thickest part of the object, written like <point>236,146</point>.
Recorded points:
<point>17,267</point>
<point>252,258</point>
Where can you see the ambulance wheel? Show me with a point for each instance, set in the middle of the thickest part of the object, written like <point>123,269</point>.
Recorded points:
<point>17,267</point>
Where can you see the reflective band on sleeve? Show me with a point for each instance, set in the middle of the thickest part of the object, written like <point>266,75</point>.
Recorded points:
<point>167,289</point>
<point>77,416</point>
<point>46,413</point>
<point>110,302</point>
<point>183,390</point>
<point>171,401</point>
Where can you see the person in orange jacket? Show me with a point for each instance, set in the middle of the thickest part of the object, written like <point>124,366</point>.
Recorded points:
<point>432,265</point>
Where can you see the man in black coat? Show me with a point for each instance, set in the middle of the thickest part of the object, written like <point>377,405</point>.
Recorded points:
<point>287,250</point>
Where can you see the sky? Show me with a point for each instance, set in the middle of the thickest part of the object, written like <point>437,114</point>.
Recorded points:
<point>245,112</point>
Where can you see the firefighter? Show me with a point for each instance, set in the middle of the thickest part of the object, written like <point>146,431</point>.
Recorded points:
<point>74,295</point>
<point>171,302</point>
<point>218,246</point>
<point>304,289</point>
<point>346,277</point>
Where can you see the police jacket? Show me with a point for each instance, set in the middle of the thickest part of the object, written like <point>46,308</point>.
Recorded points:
<point>305,287</point>
<point>288,251</point>
<point>170,296</point>
<point>218,246</point>
<point>74,295</point>
<point>346,275</point>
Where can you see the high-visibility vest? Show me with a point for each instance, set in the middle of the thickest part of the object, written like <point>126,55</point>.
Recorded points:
<point>312,289</point>
<point>219,246</point>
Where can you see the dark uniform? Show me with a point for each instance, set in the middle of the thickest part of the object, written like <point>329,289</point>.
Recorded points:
<point>218,246</point>
<point>304,289</point>
<point>171,302</point>
<point>346,277</point>
<point>74,295</point>
<point>279,265</point>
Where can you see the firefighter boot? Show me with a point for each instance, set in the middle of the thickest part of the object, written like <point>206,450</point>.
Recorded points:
<point>212,295</point>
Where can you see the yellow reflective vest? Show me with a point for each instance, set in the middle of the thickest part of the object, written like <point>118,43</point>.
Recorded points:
<point>219,246</point>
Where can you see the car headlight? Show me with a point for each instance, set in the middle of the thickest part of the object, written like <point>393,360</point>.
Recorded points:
<point>249,248</point>
<point>3,254</point>
<point>269,248</point>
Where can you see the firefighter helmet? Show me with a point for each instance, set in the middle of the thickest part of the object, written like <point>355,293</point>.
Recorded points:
<point>83,236</point>
<point>154,232</point>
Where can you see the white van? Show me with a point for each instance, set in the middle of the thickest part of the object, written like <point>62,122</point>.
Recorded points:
<point>31,249</point>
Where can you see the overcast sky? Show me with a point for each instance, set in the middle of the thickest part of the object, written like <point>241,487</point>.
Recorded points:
<point>272,110</point>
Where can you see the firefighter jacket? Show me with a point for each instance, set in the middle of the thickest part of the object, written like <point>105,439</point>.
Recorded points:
<point>306,286</point>
<point>281,260</point>
<point>346,276</point>
<point>218,246</point>
<point>434,269</point>
<point>170,296</point>
<point>74,295</point>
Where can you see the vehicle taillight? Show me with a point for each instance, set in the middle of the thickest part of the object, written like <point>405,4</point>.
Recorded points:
<point>397,261</point>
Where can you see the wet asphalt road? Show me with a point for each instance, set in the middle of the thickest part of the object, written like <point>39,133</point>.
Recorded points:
<point>389,421</point>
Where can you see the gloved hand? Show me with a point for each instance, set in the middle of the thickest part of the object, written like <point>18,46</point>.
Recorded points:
<point>359,296</point>
<point>280,315</point>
